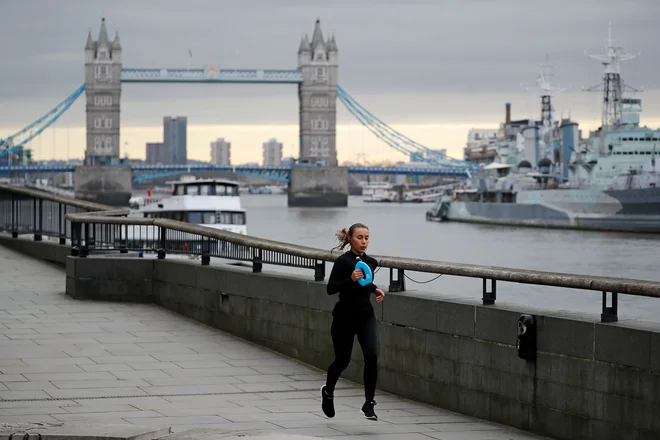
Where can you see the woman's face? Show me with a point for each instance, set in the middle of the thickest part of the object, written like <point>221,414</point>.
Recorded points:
<point>360,240</point>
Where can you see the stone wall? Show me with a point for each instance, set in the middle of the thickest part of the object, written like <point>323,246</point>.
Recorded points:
<point>318,186</point>
<point>589,381</point>
<point>51,252</point>
<point>107,185</point>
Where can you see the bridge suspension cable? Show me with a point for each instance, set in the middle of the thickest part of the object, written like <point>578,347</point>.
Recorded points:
<point>396,139</point>
<point>22,137</point>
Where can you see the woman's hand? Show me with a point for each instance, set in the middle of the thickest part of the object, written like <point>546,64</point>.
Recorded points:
<point>380,295</point>
<point>357,274</point>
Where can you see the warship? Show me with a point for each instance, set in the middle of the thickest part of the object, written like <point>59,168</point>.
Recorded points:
<point>544,174</point>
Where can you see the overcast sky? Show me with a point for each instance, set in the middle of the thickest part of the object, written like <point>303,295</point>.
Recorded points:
<point>409,62</point>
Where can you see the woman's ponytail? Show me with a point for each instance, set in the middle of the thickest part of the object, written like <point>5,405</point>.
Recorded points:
<point>344,239</point>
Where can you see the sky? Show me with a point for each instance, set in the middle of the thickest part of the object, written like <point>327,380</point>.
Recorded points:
<point>430,69</point>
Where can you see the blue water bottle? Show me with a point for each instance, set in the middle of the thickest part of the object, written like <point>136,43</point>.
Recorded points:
<point>366,270</point>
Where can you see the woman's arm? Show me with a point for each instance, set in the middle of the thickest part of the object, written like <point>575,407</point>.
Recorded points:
<point>340,276</point>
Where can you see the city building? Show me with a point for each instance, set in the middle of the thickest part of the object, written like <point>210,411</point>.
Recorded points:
<point>155,153</point>
<point>175,139</point>
<point>272,153</point>
<point>480,146</point>
<point>221,152</point>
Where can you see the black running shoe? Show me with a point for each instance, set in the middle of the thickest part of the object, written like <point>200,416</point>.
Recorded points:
<point>328,405</point>
<point>368,410</point>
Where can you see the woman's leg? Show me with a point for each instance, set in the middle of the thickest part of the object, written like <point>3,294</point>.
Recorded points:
<point>342,339</point>
<point>368,338</point>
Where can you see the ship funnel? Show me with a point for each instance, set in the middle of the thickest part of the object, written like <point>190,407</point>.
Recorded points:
<point>507,119</point>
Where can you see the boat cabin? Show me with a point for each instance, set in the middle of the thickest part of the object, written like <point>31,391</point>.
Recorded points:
<point>201,201</point>
<point>205,187</point>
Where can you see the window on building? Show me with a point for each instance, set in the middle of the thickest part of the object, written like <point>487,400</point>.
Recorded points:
<point>103,122</point>
<point>320,101</point>
<point>102,72</point>
<point>320,124</point>
<point>320,74</point>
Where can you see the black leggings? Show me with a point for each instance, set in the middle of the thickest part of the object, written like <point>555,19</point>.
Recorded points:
<point>343,330</point>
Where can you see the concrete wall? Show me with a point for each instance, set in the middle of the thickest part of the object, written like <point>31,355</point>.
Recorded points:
<point>42,250</point>
<point>107,185</point>
<point>590,380</point>
<point>318,186</point>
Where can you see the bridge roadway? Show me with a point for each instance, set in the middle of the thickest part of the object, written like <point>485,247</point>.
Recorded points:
<point>422,171</point>
<point>107,363</point>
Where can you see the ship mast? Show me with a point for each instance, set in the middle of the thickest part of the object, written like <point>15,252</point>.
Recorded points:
<point>545,89</point>
<point>612,84</point>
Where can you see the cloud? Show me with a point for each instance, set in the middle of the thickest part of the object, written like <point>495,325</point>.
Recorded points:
<point>406,61</point>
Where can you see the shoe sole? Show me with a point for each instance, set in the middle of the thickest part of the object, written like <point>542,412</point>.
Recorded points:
<point>375,419</point>
<point>323,386</point>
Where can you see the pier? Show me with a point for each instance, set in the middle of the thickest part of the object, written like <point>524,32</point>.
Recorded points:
<point>103,309</point>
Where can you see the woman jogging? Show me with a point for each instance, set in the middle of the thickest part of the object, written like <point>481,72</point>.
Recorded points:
<point>353,316</point>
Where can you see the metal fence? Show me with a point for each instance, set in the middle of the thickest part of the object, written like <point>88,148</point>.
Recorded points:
<point>26,211</point>
<point>93,228</point>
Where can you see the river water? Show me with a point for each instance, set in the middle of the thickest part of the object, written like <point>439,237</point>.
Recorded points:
<point>402,230</point>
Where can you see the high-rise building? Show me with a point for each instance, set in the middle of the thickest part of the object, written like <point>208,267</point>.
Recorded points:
<point>272,153</point>
<point>175,139</point>
<point>156,153</point>
<point>221,152</point>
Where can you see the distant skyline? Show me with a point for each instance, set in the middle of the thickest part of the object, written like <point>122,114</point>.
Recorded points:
<point>429,70</point>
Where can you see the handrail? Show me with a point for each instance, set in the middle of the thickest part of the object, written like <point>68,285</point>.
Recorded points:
<point>104,227</point>
<point>43,195</point>
<point>524,276</point>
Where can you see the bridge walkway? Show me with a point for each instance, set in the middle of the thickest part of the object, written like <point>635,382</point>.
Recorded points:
<point>98,362</point>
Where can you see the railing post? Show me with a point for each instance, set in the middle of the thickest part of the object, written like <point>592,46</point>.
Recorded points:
<point>163,243</point>
<point>84,248</point>
<point>91,236</point>
<point>76,233</point>
<point>489,297</point>
<point>257,263</point>
<point>123,238</point>
<point>38,223</point>
<point>206,257</point>
<point>610,314</point>
<point>14,216</point>
<point>319,270</point>
<point>61,209</point>
<point>398,283</point>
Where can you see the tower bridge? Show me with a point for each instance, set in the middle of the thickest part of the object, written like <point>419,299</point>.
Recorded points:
<point>316,77</point>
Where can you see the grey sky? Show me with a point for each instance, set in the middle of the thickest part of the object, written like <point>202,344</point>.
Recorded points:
<point>407,61</point>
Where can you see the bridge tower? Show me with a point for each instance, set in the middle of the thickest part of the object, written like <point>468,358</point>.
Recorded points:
<point>98,180</point>
<point>317,94</point>
<point>102,93</point>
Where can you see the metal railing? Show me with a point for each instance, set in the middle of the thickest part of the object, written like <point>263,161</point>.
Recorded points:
<point>92,228</point>
<point>28,211</point>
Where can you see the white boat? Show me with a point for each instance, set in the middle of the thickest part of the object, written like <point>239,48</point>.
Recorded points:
<point>214,203</point>
<point>371,189</point>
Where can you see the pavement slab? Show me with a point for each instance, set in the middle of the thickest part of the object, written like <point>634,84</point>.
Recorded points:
<point>95,364</point>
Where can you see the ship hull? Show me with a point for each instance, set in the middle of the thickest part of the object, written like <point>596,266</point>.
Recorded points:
<point>636,210</point>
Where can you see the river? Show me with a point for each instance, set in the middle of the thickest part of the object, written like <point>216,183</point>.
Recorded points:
<point>402,230</point>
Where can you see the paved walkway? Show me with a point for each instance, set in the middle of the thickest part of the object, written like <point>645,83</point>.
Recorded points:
<point>66,360</point>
